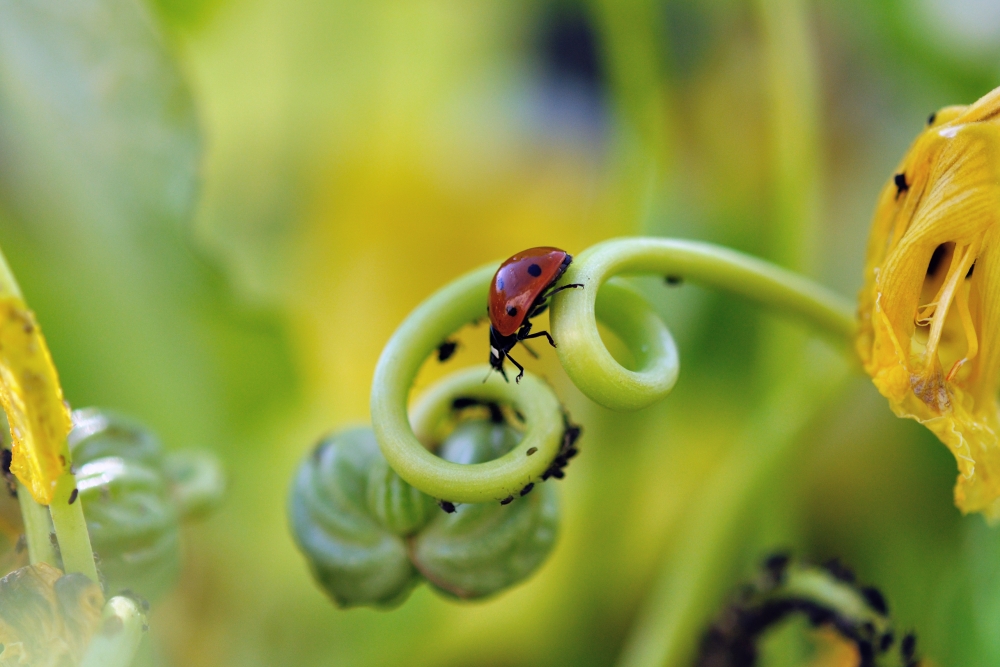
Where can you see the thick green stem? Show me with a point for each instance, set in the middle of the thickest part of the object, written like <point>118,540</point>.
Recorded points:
<point>36,529</point>
<point>694,580</point>
<point>71,528</point>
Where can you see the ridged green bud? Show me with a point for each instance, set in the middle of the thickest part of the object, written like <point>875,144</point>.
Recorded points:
<point>134,497</point>
<point>484,548</point>
<point>370,537</point>
<point>353,554</point>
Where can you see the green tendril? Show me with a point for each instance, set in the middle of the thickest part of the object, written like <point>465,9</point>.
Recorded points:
<point>575,312</point>
<point>582,352</point>
<point>458,304</point>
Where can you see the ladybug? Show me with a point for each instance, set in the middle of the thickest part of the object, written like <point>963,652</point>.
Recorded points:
<point>519,291</point>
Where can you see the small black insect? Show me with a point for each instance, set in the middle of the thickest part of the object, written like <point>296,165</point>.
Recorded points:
<point>673,281</point>
<point>446,350</point>
<point>447,506</point>
<point>6,456</point>
<point>571,433</point>
<point>526,490</point>
<point>899,180</point>
<point>908,647</point>
<point>930,119</point>
<point>875,600</point>
<point>532,450</point>
<point>507,501</point>
<point>73,495</point>
<point>775,566</point>
<point>839,571</point>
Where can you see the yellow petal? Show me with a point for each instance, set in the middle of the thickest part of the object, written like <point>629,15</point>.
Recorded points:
<point>930,309</point>
<point>33,400</point>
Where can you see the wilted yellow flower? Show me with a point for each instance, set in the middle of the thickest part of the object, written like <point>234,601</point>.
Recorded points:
<point>33,401</point>
<point>930,307</point>
<point>47,618</point>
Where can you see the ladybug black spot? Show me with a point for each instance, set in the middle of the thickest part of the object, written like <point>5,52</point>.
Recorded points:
<point>512,311</point>
<point>535,270</point>
<point>887,639</point>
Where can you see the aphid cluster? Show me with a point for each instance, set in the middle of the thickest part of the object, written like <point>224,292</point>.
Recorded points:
<point>733,638</point>
<point>567,450</point>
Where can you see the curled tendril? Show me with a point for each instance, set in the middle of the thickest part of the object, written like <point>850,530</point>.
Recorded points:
<point>827,597</point>
<point>574,316</point>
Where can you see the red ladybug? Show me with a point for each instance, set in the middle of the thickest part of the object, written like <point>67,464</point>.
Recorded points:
<point>519,291</point>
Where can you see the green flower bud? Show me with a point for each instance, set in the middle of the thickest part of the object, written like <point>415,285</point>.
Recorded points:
<point>369,536</point>
<point>356,554</point>
<point>484,548</point>
<point>134,498</point>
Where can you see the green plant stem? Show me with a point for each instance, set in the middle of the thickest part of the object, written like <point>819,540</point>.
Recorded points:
<point>117,639</point>
<point>71,529</point>
<point>36,529</point>
<point>694,580</point>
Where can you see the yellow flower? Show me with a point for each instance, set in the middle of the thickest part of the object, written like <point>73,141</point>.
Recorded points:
<point>930,308</point>
<point>33,401</point>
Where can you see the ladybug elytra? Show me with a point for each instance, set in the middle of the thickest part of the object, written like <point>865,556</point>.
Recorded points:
<point>520,290</point>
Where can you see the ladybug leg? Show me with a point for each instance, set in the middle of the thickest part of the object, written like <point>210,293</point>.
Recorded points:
<point>540,307</point>
<point>519,367</point>
<point>537,335</point>
<point>560,289</point>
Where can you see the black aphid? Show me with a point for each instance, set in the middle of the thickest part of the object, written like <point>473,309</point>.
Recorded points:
<point>446,349</point>
<point>875,600</point>
<point>899,180</point>
<point>447,506</point>
<point>507,501</point>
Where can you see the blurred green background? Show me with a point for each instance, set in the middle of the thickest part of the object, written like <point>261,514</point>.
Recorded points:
<point>221,209</point>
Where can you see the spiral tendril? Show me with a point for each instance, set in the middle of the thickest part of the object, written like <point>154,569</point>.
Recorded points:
<point>574,316</point>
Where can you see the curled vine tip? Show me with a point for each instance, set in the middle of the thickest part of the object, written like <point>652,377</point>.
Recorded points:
<point>575,312</point>
<point>855,618</point>
<point>370,537</point>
